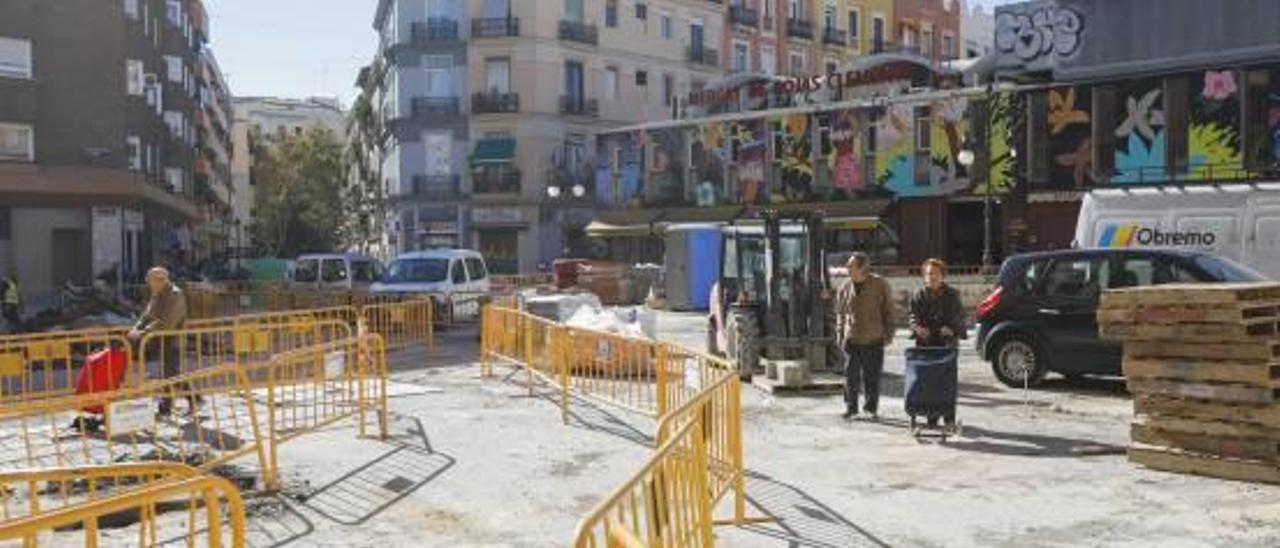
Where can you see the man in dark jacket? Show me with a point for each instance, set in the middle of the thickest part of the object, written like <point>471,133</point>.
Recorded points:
<point>937,316</point>
<point>864,317</point>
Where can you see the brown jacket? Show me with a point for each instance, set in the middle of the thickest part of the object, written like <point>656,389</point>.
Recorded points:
<point>865,317</point>
<point>165,312</point>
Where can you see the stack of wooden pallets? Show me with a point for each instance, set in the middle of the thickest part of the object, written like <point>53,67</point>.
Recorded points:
<point>1203,365</point>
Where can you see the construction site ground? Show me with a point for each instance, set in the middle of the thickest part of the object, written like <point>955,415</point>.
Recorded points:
<point>474,462</point>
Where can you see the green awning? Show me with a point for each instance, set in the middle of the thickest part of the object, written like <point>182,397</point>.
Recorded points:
<point>489,151</point>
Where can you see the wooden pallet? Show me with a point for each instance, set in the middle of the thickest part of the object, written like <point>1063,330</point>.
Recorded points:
<point>1263,351</point>
<point>1184,313</point>
<point>1184,294</point>
<point>1228,393</point>
<point>1198,427</point>
<point>1260,450</point>
<point>1192,332</point>
<point>1173,460</point>
<point>1262,415</point>
<point>1261,375</point>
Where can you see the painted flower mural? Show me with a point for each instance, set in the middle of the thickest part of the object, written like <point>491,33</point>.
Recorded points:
<point>895,161</point>
<point>1214,148</point>
<point>1140,137</point>
<point>1063,112</point>
<point>1219,85</point>
<point>1070,138</point>
<point>795,162</point>
<point>845,164</point>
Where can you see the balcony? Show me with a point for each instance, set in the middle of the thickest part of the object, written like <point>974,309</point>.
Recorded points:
<point>742,15</point>
<point>427,107</point>
<point>890,47</point>
<point>496,181</point>
<point>579,106</point>
<point>493,103</point>
<point>441,188</point>
<point>435,30</point>
<point>799,28</point>
<point>577,31</point>
<point>495,28</point>
<point>700,55</point>
<point>835,37</point>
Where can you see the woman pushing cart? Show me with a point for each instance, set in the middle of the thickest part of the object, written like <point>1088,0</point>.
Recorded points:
<point>937,320</point>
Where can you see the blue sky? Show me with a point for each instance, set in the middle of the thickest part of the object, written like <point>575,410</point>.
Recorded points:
<point>300,48</point>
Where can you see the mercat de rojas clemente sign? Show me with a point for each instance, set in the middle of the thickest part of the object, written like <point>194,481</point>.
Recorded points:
<point>889,72</point>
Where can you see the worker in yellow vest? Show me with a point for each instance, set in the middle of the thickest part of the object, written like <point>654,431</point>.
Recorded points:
<point>11,302</point>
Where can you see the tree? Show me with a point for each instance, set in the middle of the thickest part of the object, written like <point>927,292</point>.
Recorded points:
<point>299,180</point>
<point>363,199</point>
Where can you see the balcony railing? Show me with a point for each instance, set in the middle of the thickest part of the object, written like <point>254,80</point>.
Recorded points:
<point>436,106</point>
<point>435,30</point>
<point>496,181</point>
<point>835,37</point>
<point>437,187</point>
<point>578,31</point>
<point>891,47</point>
<point>742,15</point>
<point>799,28</point>
<point>578,105</point>
<point>495,28</point>
<point>488,103</point>
<point>702,56</point>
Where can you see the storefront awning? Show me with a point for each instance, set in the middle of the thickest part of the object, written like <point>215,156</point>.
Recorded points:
<point>852,223</point>
<point>722,214</point>
<point>490,151</point>
<point>623,223</point>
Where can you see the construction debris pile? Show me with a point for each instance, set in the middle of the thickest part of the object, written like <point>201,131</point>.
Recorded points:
<point>1203,365</point>
<point>584,310</point>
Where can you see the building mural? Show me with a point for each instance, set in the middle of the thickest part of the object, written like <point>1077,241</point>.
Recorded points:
<point>1213,136</point>
<point>1071,138</point>
<point>664,183</point>
<point>794,145</point>
<point>1141,140</point>
<point>844,161</point>
<point>1273,119</point>
<point>618,173</point>
<point>747,181</point>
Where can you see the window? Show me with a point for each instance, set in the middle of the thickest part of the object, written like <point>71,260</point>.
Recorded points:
<point>877,33</point>
<point>740,57</point>
<point>174,65</point>
<point>498,75</point>
<point>439,153</point>
<point>476,268</point>
<point>768,15</point>
<point>832,66</point>
<point>829,15</point>
<point>796,67</point>
<point>17,143</point>
<point>642,11</point>
<point>173,176</point>
<point>334,270</point>
<point>642,78</point>
<point>459,272</point>
<point>439,75</point>
<point>611,14</point>
<point>133,71</point>
<point>133,150</point>
<point>854,19</point>
<point>493,9</point>
<point>794,10</point>
<point>573,82</point>
<point>131,8</point>
<point>664,25</point>
<point>306,271</point>
<point>926,42</point>
<point>611,82</point>
<point>768,60</point>
<point>174,12</point>
<point>364,271</point>
<point>696,35</point>
<point>15,58</point>
<point>573,10</point>
<point>418,270</point>
<point>1078,279</point>
<point>175,120</point>
<point>668,89</point>
<point>948,46</point>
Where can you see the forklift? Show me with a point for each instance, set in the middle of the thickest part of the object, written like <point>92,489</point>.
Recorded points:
<point>771,305</point>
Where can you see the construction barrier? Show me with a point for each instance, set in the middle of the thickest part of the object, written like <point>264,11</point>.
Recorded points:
<point>36,505</point>
<point>245,402</point>
<point>49,365</point>
<point>401,324</point>
<point>212,304</point>
<point>694,396</point>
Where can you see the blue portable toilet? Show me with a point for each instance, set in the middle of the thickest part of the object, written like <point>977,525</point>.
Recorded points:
<point>692,265</point>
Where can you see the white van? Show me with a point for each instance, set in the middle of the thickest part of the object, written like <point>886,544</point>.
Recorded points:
<point>457,277</point>
<point>334,271</point>
<point>1238,221</point>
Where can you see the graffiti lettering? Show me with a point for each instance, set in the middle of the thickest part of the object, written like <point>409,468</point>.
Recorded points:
<point>1036,35</point>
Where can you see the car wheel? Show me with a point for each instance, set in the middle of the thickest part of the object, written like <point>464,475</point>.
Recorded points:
<point>1018,362</point>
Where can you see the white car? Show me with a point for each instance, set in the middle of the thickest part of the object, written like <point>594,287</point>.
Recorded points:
<point>457,279</point>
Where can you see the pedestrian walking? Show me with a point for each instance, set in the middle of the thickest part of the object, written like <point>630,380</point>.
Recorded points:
<point>864,317</point>
<point>11,303</point>
<point>937,316</point>
<point>166,311</point>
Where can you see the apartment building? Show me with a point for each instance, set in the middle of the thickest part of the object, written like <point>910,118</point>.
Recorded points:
<point>216,235</point>
<point>490,108</point>
<point>98,108</point>
<point>801,37</point>
<point>930,28</point>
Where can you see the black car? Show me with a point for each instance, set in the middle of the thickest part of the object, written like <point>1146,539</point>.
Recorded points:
<point>1041,316</point>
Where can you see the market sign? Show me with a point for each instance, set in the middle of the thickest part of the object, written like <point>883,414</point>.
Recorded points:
<point>890,71</point>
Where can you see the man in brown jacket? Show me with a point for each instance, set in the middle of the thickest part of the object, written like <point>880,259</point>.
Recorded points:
<point>864,317</point>
<point>166,311</point>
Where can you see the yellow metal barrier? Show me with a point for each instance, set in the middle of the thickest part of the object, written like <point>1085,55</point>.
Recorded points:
<point>401,324</point>
<point>35,504</point>
<point>33,367</point>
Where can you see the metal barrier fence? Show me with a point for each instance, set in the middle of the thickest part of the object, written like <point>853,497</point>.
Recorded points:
<point>34,504</point>
<point>213,304</point>
<point>401,324</point>
<point>694,396</point>
<point>304,384</point>
<point>48,365</point>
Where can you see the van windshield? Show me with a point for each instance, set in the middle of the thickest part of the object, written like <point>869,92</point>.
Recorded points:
<point>418,270</point>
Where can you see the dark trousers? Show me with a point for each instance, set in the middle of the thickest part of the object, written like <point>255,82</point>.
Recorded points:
<point>171,366</point>
<point>862,369</point>
<point>11,315</point>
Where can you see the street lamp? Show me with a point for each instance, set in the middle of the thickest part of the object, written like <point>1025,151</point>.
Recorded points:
<point>967,157</point>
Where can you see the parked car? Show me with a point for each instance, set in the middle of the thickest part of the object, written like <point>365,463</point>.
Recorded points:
<point>1041,316</point>
<point>335,271</point>
<point>457,279</point>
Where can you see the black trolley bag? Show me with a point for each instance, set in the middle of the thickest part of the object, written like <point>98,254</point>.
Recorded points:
<point>930,382</point>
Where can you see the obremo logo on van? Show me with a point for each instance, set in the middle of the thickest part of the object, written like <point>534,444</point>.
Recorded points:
<point>1137,235</point>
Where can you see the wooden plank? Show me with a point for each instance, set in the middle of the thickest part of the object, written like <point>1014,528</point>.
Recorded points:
<point>1261,375</point>
<point>1197,427</point>
<point>1263,351</point>
<point>1204,391</point>
<point>1189,332</point>
<point>1263,415</point>
<point>1182,313</point>
<point>1235,448</point>
<point>1172,460</point>
<point>1190,293</point>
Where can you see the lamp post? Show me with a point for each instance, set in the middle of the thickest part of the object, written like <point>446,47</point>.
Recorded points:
<point>555,193</point>
<point>966,157</point>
